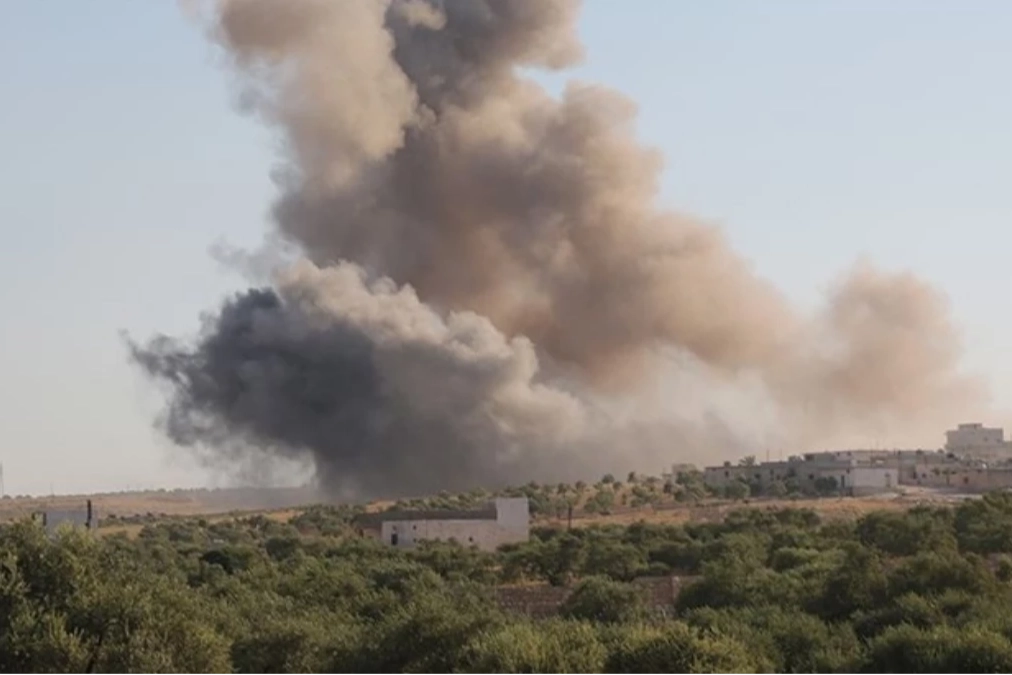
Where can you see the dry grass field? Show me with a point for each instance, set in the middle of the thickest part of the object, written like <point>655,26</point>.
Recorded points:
<point>220,504</point>
<point>832,508</point>
<point>162,503</point>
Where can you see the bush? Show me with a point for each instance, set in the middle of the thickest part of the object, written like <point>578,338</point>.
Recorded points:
<point>906,649</point>
<point>737,490</point>
<point>551,647</point>
<point>601,599</point>
<point>675,647</point>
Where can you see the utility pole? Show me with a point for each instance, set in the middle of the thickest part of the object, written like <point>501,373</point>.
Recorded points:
<point>3,491</point>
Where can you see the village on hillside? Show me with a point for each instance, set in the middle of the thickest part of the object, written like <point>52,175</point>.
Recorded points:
<point>974,459</point>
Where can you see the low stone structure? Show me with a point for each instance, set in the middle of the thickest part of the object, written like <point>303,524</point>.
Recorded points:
<point>543,600</point>
<point>55,519</point>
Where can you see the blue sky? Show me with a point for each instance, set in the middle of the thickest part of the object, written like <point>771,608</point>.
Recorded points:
<point>813,132</point>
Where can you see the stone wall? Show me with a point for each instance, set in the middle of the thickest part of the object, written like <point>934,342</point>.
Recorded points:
<point>542,600</point>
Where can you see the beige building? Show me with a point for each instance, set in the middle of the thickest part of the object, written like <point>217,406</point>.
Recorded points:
<point>853,475</point>
<point>963,477</point>
<point>975,459</point>
<point>975,441</point>
<point>504,521</point>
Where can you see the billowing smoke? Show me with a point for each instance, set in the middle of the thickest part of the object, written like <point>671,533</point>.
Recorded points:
<point>364,373</point>
<point>489,290</point>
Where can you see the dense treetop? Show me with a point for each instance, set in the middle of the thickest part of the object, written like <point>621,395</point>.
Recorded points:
<point>766,590</point>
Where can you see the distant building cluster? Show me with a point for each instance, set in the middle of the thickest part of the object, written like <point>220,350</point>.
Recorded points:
<point>503,521</point>
<point>853,472</point>
<point>975,458</point>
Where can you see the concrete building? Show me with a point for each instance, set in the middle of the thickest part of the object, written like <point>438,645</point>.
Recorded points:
<point>504,521</point>
<point>855,476</point>
<point>975,459</point>
<point>84,518</point>
<point>975,441</point>
<point>677,469</point>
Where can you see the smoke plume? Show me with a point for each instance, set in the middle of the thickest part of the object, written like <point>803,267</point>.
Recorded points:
<point>489,290</point>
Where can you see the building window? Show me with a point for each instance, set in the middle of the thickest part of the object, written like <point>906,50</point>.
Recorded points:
<point>727,474</point>
<point>811,476</point>
<point>848,470</point>
<point>414,527</point>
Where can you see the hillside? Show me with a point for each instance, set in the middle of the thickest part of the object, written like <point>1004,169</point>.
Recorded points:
<point>756,587</point>
<point>641,500</point>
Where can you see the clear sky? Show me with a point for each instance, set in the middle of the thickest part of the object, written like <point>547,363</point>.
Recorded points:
<point>813,132</point>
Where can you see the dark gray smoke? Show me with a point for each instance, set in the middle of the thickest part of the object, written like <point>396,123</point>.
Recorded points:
<point>551,289</point>
<point>386,394</point>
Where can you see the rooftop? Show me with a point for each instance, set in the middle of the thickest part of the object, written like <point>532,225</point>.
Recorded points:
<point>485,513</point>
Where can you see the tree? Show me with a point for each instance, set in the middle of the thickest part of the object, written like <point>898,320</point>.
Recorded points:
<point>910,609</point>
<point>549,647</point>
<point>985,525</point>
<point>943,649</point>
<point>737,490</point>
<point>777,590</point>
<point>614,559</point>
<point>429,633</point>
<point>859,582</point>
<point>748,460</point>
<point>1003,571</point>
<point>282,548</point>
<point>905,534</point>
<point>676,648</point>
<point>778,489</point>
<point>561,558</point>
<point>602,501</point>
<point>601,599</point>
<point>931,573</point>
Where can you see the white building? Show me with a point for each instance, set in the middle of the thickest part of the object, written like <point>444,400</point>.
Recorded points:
<point>975,441</point>
<point>504,521</point>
